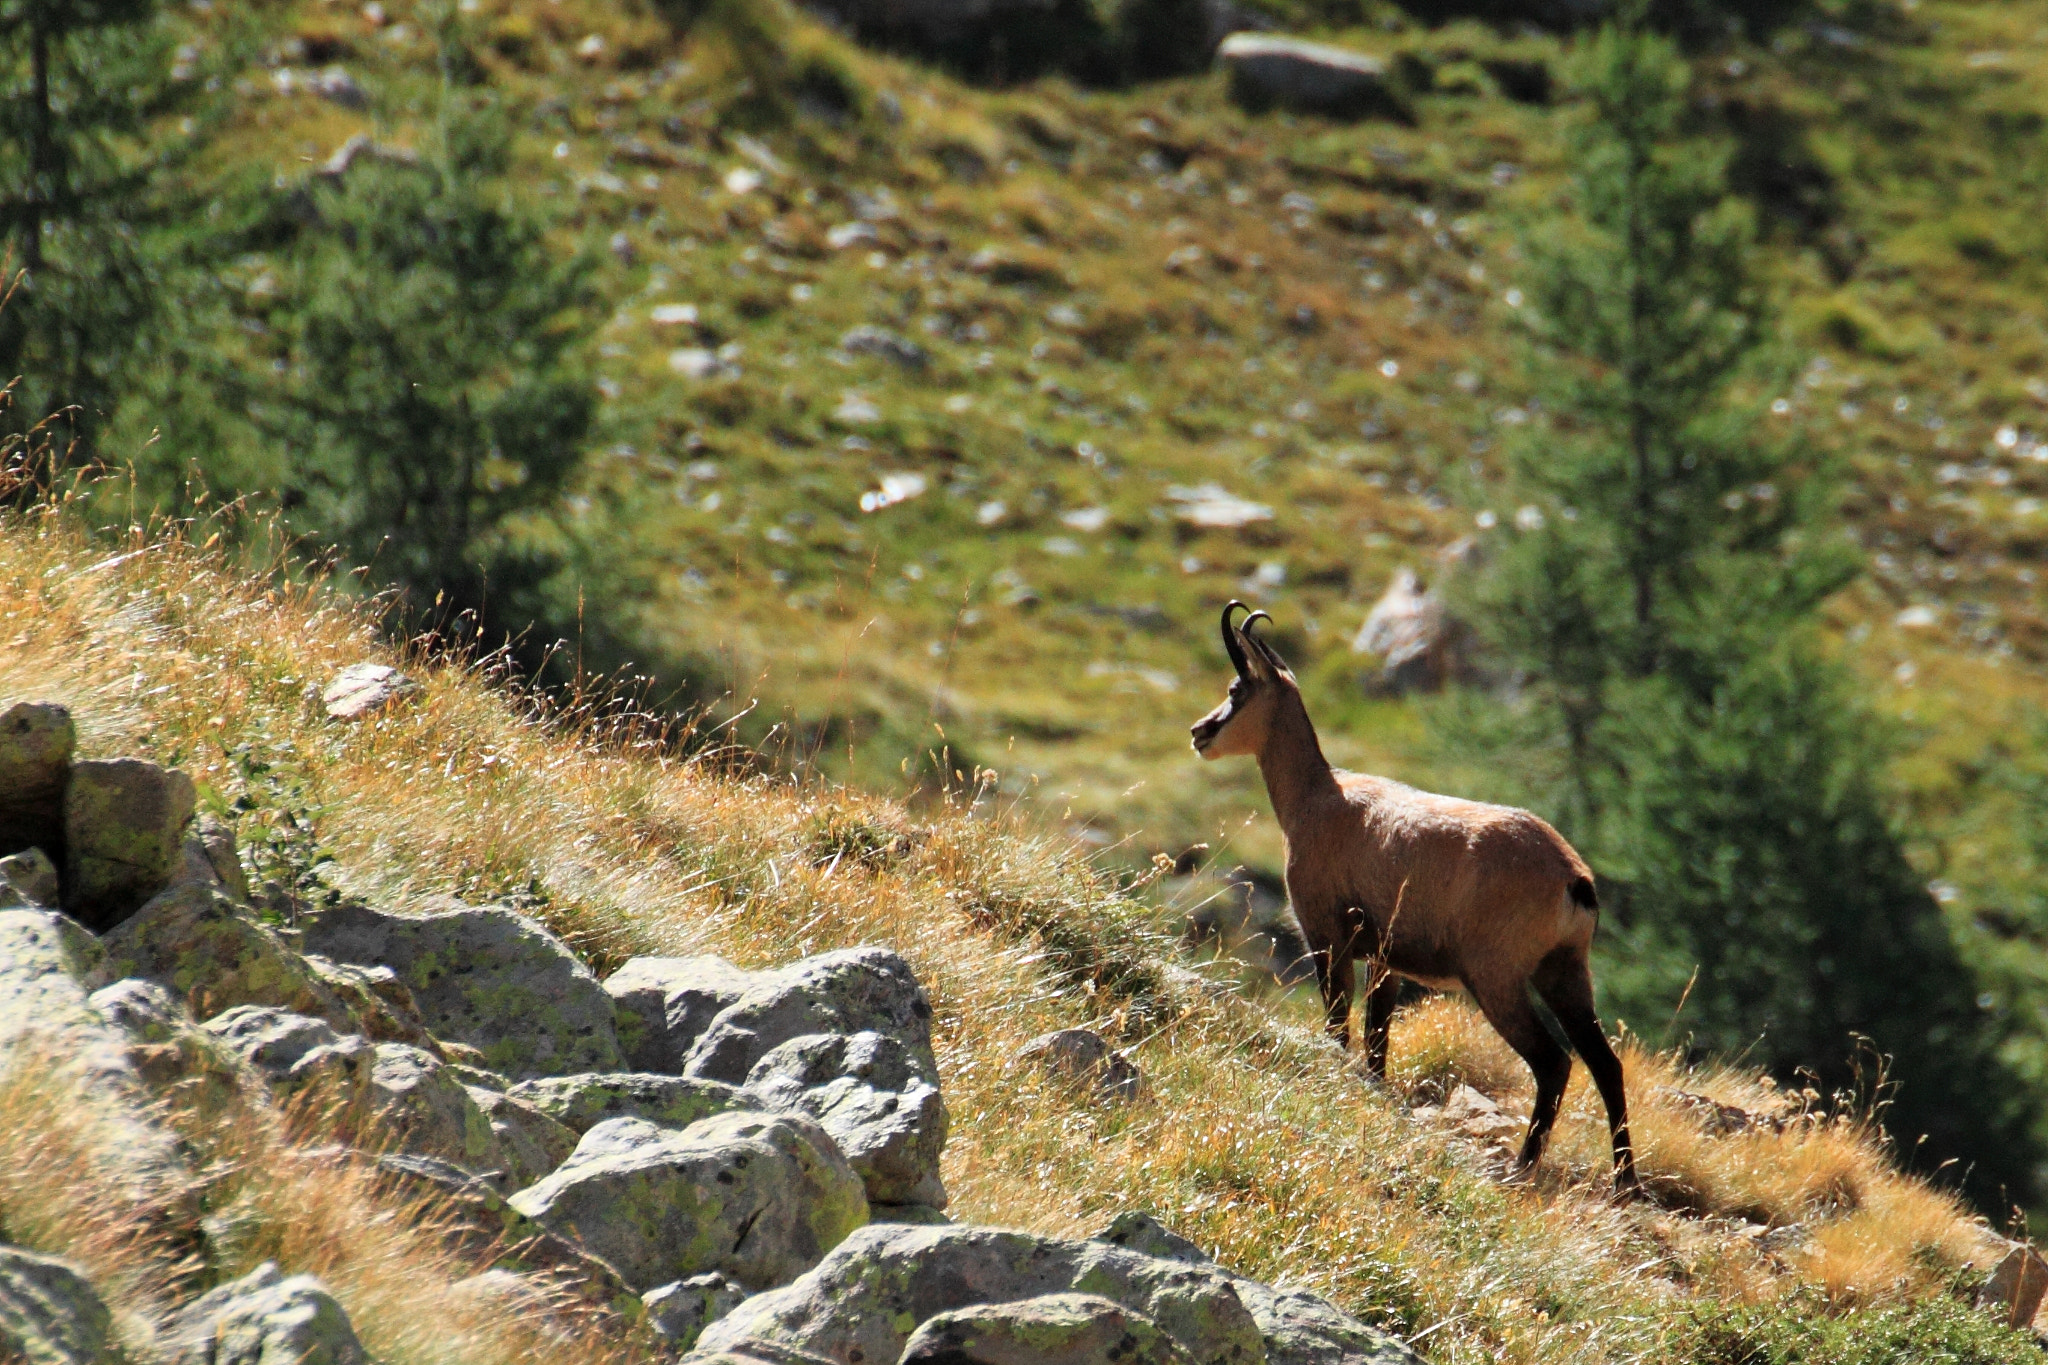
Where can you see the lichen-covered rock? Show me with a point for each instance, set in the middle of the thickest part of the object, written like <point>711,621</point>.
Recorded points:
<point>1268,71</point>
<point>583,1102</point>
<point>665,1003</point>
<point>297,1054</point>
<point>1056,1329</point>
<point>36,742</point>
<point>46,960</point>
<point>858,989</point>
<point>164,1046</point>
<point>485,976</point>
<point>208,857</point>
<point>28,879</point>
<point>759,1197</point>
<point>876,1098</point>
<point>49,1312</point>
<point>865,1300</point>
<point>1085,1056</point>
<point>480,1221</point>
<point>680,1312</point>
<point>530,1144</point>
<point>199,943</point>
<point>377,1000</point>
<point>124,820</point>
<point>421,1107</point>
<point>876,1089</point>
<point>45,957</point>
<point>921,1215</point>
<point>264,1319</point>
<point>1299,1328</point>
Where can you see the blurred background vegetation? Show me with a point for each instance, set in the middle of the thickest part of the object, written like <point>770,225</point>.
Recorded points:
<point>904,403</point>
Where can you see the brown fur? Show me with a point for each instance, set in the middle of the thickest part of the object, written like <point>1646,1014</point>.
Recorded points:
<point>1446,892</point>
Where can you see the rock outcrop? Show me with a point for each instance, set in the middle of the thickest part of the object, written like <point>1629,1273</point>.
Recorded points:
<point>582,1102</point>
<point>264,1318</point>
<point>1268,71</point>
<point>1299,1328</point>
<point>680,1312</point>
<point>664,1004</point>
<point>1055,1329</point>
<point>867,1299</point>
<point>49,1312</point>
<point>758,1197</point>
<point>845,1038</point>
<point>124,825</point>
<point>302,1058</point>
<point>214,956</point>
<point>485,976</point>
<point>36,743</point>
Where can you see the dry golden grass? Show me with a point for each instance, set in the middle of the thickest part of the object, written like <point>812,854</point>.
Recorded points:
<point>1258,1140</point>
<point>250,1194</point>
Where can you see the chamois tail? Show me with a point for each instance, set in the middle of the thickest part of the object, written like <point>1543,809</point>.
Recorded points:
<point>1583,895</point>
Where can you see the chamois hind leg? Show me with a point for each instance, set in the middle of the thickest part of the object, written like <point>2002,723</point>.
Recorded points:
<point>1338,981</point>
<point>1513,1015</point>
<point>1379,1016</point>
<point>1565,981</point>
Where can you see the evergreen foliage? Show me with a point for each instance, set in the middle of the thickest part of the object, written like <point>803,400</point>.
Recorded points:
<point>81,81</point>
<point>1660,600</point>
<point>434,391</point>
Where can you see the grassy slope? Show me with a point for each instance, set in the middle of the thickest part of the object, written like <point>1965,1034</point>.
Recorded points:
<point>1896,156</point>
<point>1256,1140</point>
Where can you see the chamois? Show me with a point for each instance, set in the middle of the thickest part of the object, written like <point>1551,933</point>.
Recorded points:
<point>1442,891</point>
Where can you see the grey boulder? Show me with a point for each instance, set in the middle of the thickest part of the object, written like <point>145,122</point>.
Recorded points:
<point>845,1038</point>
<point>759,1197</point>
<point>124,822</point>
<point>1268,71</point>
<point>867,1299</point>
<point>1086,1058</point>
<point>422,1108</point>
<point>28,878</point>
<point>49,1312</point>
<point>665,1003</point>
<point>1056,1329</point>
<point>487,977</point>
<point>363,690</point>
<point>164,1046</point>
<point>529,1143</point>
<point>201,944</point>
<point>877,1098</point>
<point>680,1312</point>
<point>297,1054</point>
<point>45,960</point>
<point>36,742</point>
<point>264,1319</point>
<point>208,857</point>
<point>1299,1328</point>
<point>583,1102</point>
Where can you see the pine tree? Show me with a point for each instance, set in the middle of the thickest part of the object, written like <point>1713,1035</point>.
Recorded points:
<point>1659,598</point>
<point>434,392</point>
<point>80,81</point>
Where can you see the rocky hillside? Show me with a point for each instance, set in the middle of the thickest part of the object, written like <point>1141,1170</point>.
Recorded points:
<point>346,1014</point>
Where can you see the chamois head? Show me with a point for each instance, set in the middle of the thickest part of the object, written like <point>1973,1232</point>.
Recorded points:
<point>1240,724</point>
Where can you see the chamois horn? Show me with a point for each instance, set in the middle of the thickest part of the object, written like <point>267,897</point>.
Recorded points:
<point>1264,649</point>
<point>1230,644</point>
